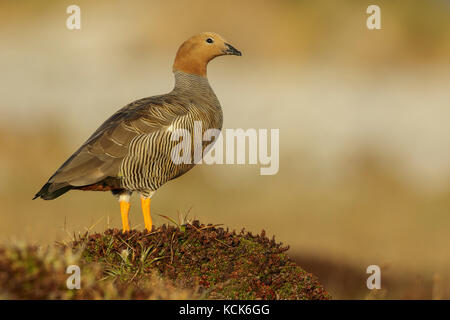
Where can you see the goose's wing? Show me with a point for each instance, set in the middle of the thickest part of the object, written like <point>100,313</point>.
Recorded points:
<point>101,155</point>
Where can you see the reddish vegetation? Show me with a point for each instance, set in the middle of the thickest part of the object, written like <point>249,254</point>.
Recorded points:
<point>217,262</point>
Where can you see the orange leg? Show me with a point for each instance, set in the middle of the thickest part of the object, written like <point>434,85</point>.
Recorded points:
<point>145,203</point>
<point>124,209</point>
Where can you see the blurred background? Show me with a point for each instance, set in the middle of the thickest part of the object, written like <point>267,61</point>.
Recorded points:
<point>363,116</point>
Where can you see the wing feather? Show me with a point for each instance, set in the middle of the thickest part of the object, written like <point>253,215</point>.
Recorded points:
<point>101,155</point>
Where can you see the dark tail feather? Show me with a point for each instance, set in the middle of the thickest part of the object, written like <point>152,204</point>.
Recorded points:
<point>52,190</point>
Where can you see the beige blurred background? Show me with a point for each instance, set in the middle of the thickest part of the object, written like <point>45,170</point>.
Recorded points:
<point>363,116</point>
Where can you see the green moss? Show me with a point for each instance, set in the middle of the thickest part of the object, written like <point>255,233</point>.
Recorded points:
<point>223,264</point>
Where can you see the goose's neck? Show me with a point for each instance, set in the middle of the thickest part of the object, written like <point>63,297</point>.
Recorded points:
<point>194,84</point>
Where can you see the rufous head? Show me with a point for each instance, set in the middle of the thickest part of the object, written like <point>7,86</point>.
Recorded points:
<point>195,53</point>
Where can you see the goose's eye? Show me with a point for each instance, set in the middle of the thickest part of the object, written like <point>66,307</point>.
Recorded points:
<point>209,40</point>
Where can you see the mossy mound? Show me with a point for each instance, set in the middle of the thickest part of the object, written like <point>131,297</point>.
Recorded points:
<point>192,261</point>
<point>213,262</point>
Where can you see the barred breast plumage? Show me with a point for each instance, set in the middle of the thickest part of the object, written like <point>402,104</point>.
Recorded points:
<point>131,151</point>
